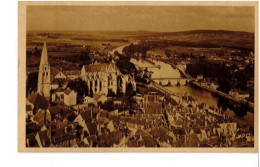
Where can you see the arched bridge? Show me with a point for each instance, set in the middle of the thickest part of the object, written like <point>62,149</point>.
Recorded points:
<point>173,81</point>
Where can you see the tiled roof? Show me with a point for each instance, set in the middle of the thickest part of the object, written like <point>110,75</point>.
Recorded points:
<point>96,68</point>
<point>31,140</point>
<point>132,143</point>
<point>38,101</point>
<point>99,67</point>
<point>67,91</point>
<point>92,127</point>
<point>45,141</point>
<point>149,141</point>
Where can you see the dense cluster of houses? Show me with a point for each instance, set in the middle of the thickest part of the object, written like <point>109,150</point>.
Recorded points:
<point>54,118</point>
<point>158,122</point>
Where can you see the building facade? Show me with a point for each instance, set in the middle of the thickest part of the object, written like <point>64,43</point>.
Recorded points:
<point>101,78</point>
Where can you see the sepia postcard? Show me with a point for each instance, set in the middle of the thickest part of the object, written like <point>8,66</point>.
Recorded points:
<point>138,77</point>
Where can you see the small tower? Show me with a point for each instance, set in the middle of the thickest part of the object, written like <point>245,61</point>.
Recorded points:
<point>44,74</point>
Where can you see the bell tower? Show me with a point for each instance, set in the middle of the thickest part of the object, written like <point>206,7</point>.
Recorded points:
<point>44,74</point>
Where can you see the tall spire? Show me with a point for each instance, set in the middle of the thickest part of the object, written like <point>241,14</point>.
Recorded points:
<point>44,74</point>
<point>44,56</point>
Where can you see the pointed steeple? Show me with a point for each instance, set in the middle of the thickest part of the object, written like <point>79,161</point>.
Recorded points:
<point>44,56</point>
<point>44,74</point>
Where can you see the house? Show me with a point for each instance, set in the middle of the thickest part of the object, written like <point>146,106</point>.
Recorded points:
<point>153,97</point>
<point>43,138</point>
<point>153,108</point>
<point>92,128</point>
<point>31,140</point>
<point>149,141</point>
<point>38,101</point>
<point>213,86</point>
<point>110,126</point>
<point>83,119</point>
<point>29,111</point>
<point>118,138</point>
<point>228,128</point>
<point>67,97</point>
<point>57,74</point>
<point>59,112</point>
<point>42,117</point>
<point>199,76</point>
<point>250,83</point>
<point>32,127</point>
<point>55,84</point>
<point>73,74</point>
<point>88,100</point>
<point>139,99</point>
<point>243,94</point>
<point>100,98</point>
<point>239,94</point>
<point>64,136</point>
<point>117,101</point>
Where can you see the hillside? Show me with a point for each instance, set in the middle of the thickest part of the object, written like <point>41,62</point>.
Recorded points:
<point>215,38</point>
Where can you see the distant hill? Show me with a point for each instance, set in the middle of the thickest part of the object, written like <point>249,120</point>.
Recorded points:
<point>221,38</point>
<point>213,38</point>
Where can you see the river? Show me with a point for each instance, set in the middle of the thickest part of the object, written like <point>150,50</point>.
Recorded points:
<point>203,96</point>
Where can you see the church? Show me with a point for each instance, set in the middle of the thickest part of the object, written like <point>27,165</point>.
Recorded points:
<point>44,75</point>
<point>104,78</point>
<point>49,78</point>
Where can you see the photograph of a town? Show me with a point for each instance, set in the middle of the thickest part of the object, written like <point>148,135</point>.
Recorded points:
<point>140,76</point>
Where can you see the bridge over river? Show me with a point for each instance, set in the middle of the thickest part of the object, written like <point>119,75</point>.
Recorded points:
<point>173,81</point>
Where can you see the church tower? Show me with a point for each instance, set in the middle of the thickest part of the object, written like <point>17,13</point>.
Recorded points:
<point>44,74</point>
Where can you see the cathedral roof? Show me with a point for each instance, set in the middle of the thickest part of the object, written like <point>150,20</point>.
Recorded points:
<point>99,67</point>
<point>96,68</point>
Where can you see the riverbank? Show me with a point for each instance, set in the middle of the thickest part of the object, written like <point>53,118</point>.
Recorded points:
<point>222,94</point>
<point>203,96</point>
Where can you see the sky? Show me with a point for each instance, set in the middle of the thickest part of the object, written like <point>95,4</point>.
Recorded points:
<point>136,18</point>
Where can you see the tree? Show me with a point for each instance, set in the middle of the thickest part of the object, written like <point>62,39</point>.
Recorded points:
<point>31,83</point>
<point>225,85</point>
<point>79,86</point>
<point>108,105</point>
<point>168,53</point>
<point>242,110</point>
<point>125,66</point>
